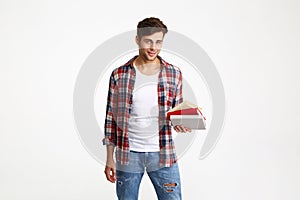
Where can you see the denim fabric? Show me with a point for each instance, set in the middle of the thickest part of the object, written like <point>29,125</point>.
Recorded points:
<point>166,180</point>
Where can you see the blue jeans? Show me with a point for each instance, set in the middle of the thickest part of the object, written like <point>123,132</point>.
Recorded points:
<point>166,180</point>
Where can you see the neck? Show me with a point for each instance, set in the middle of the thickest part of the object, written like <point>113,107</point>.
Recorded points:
<point>147,68</point>
<point>141,62</point>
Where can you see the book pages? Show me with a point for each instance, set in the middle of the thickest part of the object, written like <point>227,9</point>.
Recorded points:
<point>189,121</point>
<point>184,105</point>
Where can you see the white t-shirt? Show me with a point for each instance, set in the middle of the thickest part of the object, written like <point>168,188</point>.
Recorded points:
<point>143,127</point>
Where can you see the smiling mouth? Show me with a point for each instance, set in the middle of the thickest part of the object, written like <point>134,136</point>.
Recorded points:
<point>151,54</point>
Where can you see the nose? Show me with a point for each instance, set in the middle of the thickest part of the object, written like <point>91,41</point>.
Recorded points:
<point>153,46</point>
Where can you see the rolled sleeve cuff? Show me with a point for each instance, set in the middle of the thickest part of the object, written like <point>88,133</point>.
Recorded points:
<point>107,141</point>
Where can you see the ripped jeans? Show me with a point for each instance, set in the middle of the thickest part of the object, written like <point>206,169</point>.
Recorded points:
<point>166,180</point>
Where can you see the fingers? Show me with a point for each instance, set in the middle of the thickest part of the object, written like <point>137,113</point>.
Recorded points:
<point>110,173</point>
<point>113,175</point>
<point>182,129</point>
<point>177,128</point>
<point>188,129</point>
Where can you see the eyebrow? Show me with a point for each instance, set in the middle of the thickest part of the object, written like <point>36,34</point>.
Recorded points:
<point>152,40</point>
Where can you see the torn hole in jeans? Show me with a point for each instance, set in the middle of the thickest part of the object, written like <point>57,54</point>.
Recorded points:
<point>170,185</point>
<point>120,182</point>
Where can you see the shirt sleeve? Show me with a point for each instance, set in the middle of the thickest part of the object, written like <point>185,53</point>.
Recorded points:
<point>178,90</point>
<point>110,123</point>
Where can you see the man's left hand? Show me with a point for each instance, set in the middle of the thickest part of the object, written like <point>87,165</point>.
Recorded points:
<point>182,129</point>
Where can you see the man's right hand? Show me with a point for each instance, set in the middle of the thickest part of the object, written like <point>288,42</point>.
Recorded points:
<point>110,171</point>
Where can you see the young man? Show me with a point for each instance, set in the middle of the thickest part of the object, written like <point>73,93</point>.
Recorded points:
<point>140,93</point>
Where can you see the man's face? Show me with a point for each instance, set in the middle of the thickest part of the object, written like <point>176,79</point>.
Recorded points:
<point>150,45</point>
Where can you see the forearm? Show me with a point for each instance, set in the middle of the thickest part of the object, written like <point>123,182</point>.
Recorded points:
<point>109,153</point>
<point>110,168</point>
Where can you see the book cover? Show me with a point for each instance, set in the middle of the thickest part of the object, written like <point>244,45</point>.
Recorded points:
<point>189,111</point>
<point>184,105</point>
<point>185,108</point>
<point>189,121</point>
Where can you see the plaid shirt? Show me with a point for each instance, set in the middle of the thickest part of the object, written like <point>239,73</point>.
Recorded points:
<point>118,109</point>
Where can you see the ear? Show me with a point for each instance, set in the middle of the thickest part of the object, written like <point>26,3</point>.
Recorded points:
<point>137,40</point>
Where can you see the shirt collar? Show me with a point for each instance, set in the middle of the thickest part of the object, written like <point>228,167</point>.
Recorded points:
<point>162,61</point>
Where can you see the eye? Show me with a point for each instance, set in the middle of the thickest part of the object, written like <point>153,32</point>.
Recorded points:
<point>148,41</point>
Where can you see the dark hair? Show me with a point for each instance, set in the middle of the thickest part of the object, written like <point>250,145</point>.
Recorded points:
<point>150,25</point>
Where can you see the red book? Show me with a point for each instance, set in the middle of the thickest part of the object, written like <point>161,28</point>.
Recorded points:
<point>185,108</point>
<point>189,111</point>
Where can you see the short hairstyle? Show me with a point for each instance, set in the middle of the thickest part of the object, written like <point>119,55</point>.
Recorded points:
<point>150,25</point>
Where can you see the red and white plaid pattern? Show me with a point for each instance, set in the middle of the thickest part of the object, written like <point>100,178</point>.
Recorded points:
<point>119,101</point>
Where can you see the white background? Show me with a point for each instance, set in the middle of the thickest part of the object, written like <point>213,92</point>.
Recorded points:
<point>254,45</point>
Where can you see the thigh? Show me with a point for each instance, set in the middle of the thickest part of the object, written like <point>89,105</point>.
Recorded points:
<point>128,184</point>
<point>166,182</point>
<point>129,177</point>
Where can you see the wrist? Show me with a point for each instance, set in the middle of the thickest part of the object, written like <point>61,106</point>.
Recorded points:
<point>109,160</point>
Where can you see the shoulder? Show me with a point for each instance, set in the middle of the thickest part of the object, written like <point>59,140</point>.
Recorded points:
<point>121,70</point>
<point>174,69</point>
<point>170,68</point>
